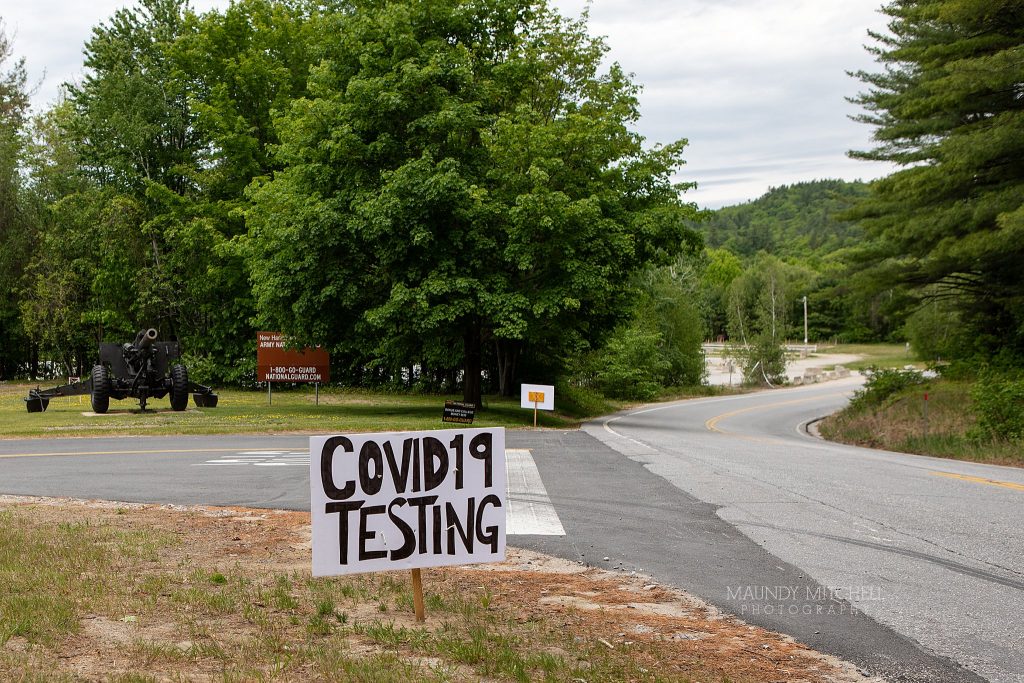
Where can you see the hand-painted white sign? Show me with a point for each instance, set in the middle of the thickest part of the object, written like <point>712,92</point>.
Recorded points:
<point>407,499</point>
<point>541,396</point>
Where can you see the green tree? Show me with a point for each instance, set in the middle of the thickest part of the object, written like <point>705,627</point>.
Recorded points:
<point>631,366</point>
<point>719,268</point>
<point>763,361</point>
<point>935,329</point>
<point>762,301</point>
<point>18,214</point>
<point>947,106</point>
<point>169,127</point>
<point>801,221</point>
<point>669,308</point>
<point>763,305</point>
<point>131,129</point>
<point>84,276</point>
<point>461,175</point>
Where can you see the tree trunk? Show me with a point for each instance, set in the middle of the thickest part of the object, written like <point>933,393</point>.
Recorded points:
<point>508,358</point>
<point>471,364</point>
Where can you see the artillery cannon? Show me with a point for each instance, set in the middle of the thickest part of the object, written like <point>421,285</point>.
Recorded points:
<point>141,369</point>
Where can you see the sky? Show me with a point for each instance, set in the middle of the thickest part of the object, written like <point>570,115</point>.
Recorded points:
<point>758,87</point>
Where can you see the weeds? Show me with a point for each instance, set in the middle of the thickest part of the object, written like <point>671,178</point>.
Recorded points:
<point>73,582</point>
<point>946,425</point>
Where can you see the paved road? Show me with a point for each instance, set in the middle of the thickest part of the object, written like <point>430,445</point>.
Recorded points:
<point>932,548</point>
<point>908,566</point>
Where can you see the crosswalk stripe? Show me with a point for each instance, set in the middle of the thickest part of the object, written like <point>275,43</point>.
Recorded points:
<point>530,510</point>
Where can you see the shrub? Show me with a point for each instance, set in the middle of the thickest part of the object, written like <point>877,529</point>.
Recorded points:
<point>934,331</point>
<point>631,365</point>
<point>581,401</point>
<point>998,403</point>
<point>763,362</point>
<point>883,384</point>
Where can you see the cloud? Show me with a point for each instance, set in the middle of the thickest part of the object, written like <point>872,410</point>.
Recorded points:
<point>51,35</point>
<point>755,86</point>
<point>758,87</point>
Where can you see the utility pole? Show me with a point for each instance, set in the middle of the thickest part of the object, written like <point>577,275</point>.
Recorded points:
<point>805,320</point>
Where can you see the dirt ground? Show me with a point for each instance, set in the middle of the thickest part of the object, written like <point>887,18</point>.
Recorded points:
<point>670,632</point>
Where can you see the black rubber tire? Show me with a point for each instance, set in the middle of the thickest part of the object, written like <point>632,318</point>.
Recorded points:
<point>179,387</point>
<point>100,389</point>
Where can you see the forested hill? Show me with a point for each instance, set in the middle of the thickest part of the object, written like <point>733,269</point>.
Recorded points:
<point>797,221</point>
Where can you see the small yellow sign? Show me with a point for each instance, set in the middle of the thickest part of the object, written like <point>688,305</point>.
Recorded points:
<point>536,396</point>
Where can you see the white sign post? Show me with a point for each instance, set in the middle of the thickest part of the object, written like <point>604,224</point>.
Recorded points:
<point>407,500</point>
<point>538,397</point>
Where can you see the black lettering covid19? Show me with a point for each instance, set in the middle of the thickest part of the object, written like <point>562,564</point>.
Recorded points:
<point>422,465</point>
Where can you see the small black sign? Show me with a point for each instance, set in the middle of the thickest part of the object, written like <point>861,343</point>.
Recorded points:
<point>461,413</point>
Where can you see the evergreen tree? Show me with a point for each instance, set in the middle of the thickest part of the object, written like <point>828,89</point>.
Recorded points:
<point>948,106</point>
<point>17,217</point>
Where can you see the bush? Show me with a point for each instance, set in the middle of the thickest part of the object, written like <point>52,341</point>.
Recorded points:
<point>670,311</point>
<point>883,384</point>
<point>998,403</point>
<point>934,332</point>
<point>631,365</point>
<point>581,401</point>
<point>763,362</point>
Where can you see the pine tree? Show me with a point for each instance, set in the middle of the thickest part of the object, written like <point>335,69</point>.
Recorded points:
<point>948,106</point>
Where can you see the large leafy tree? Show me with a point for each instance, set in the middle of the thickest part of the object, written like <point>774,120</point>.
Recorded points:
<point>130,128</point>
<point>461,177</point>
<point>144,169</point>
<point>948,106</point>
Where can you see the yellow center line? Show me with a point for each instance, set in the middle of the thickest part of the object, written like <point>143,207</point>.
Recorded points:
<point>712,423</point>
<point>981,480</point>
<point>134,452</point>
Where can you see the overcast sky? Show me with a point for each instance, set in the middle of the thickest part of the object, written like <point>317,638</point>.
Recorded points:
<point>756,86</point>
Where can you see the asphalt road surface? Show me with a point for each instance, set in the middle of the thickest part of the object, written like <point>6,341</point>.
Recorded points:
<point>911,567</point>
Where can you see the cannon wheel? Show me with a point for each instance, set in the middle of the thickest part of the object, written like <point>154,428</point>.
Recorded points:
<point>100,389</point>
<point>179,387</point>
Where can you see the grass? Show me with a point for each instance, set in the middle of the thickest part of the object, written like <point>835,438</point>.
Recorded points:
<point>50,578</point>
<point>339,410</point>
<point>877,355</point>
<point>289,411</point>
<point>72,588</point>
<point>297,410</point>
<point>900,424</point>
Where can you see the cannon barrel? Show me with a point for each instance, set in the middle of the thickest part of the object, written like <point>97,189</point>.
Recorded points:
<point>145,339</point>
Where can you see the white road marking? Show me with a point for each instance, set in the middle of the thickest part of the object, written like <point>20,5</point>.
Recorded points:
<point>529,508</point>
<point>263,459</point>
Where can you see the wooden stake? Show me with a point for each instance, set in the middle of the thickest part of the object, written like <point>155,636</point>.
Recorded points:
<point>926,414</point>
<point>417,596</point>
<point>534,414</point>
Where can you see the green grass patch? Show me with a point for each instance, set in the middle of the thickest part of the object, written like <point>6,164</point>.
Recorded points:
<point>297,410</point>
<point>946,428</point>
<point>294,410</point>
<point>885,356</point>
